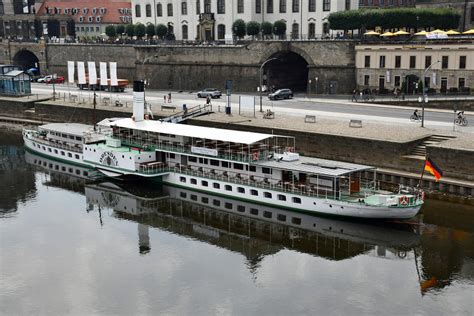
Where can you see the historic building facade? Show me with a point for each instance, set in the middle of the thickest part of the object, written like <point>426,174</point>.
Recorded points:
<point>209,20</point>
<point>387,67</point>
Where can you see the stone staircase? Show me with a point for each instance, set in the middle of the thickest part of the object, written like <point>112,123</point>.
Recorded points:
<point>419,152</point>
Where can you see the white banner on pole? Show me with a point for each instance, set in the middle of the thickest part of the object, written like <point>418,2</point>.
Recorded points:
<point>70,71</point>
<point>81,72</point>
<point>113,74</point>
<point>92,72</point>
<point>103,74</point>
<point>388,76</point>
<point>433,78</point>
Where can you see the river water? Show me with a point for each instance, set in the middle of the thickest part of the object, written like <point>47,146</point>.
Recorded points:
<point>72,246</point>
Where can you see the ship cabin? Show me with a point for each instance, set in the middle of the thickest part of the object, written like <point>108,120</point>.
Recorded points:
<point>64,136</point>
<point>257,159</point>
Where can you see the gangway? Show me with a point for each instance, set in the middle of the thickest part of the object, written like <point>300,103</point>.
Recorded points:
<point>189,113</point>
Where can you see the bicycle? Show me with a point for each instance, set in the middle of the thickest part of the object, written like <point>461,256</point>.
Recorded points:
<point>416,118</point>
<point>461,121</point>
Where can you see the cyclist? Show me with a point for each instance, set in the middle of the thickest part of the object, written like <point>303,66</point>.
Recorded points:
<point>460,115</point>
<point>415,115</point>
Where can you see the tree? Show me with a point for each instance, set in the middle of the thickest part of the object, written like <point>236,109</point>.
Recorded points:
<point>53,28</point>
<point>267,28</point>
<point>150,30</point>
<point>140,30</point>
<point>130,30</point>
<point>238,28</point>
<point>38,28</point>
<point>120,29</point>
<point>71,28</point>
<point>110,31</point>
<point>161,30</point>
<point>279,28</point>
<point>253,28</point>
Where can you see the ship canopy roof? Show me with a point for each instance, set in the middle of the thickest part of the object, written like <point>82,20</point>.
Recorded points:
<point>193,131</point>
<point>67,128</point>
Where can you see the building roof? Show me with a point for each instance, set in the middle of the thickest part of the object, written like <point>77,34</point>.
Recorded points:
<point>67,128</point>
<point>14,73</point>
<point>223,135</point>
<point>310,165</point>
<point>108,11</point>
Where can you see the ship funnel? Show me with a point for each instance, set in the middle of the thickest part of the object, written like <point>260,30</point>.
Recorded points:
<point>138,100</point>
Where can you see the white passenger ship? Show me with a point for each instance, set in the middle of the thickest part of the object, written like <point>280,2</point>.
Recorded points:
<point>255,167</point>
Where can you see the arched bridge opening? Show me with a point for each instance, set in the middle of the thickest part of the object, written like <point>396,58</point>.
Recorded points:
<point>287,70</point>
<point>27,60</point>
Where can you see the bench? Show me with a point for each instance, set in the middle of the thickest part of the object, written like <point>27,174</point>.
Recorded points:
<point>269,114</point>
<point>168,107</point>
<point>355,123</point>
<point>310,119</point>
<point>106,101</point>
<point>73,98</point>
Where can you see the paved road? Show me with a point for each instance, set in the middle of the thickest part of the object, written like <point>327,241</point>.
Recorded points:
<point>337,108</point>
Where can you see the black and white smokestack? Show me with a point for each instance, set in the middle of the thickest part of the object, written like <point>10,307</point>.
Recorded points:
<point>138,100</point>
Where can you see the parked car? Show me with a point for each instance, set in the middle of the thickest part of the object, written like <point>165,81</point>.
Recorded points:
<point>281,94</point>
<point>58,79</point>
<point>213,93</point>
<point>44,78</point>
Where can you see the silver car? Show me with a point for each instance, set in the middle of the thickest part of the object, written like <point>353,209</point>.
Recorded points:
<point>213,93</point>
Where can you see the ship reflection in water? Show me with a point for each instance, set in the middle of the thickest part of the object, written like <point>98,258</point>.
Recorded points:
<point>441,255</point>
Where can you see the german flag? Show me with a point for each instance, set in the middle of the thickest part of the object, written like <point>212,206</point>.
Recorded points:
<point>432,168</point>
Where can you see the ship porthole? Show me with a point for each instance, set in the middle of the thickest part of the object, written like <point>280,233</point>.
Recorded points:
<point>330,205</point>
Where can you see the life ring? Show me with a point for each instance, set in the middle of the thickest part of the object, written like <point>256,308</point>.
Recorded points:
<point>404,200</point>
<point>255,155</point>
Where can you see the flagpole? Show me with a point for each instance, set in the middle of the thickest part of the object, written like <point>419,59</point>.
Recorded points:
<point>423,171</point>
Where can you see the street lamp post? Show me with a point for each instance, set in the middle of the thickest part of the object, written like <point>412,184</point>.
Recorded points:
<point>316,83</point>
<point>261,81</point>
<point>425,98</point>
<point>309,88</point>
<point>53,80</point>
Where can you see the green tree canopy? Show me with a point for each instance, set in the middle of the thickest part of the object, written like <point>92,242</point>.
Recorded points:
<point>161,30</point>
<point>253,28</point>
<point>267,28</point>
<point>120,29</point>
<point>110,31</point>
<point>130,30</point>
<point>279,28</point>
<point>140,30</point>
<point>150,30</point>
<point>238,28</point>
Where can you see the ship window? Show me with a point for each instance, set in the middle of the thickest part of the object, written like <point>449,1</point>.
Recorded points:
<point>297,200</point>
<point>76,156</point>
<point>268,195</point>
<point>44,148</point>
<point>267,170</point>
<point>192,159</point>
<point>69,155</point>
<point>253,211</point>
<point>123,156</point>
<point>183,195</point>
<point>194,197</point>
<point>94,151</point>
<point>228,205</point>
<point>62,153</point>
<point>254,192</point>
<point>55,151</point>
<point>205,200</point>
<point>34,145</point>
<point>238,166</point>
<point>63,135</point>
<point>240,190</point>
<point>296,220</point>
<point>172,156</point>
<point>85,173</point>
<point>241,208</point>
<point>214,162</point>
<point>253,168</point>
<point>216,203</point>
<point>79,138</point>
<point>267,214</point>
<point>225,164</point>
<point>216,185</point>
<point>71,137</point>
<point>204,183</point>
<point>70,170</point>
<point>56,167</point>
<point>49,149</point>
<point>281,217</point>
<point>281,197</point>
<point>78,172</point>
<point>193,181</point>
<point>182,179</point>
<point>228,187</point>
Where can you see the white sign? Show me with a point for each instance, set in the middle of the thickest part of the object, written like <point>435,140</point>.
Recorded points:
<point>229,39</point>
<point>388,76</point>
<point>81,72</point>
<point>92,72</point>
<point>113,74</point>
<point>204,151</point>
<point>70,71</point>
<point>103,74</point>
<point>433,78</point>
<point>247,102</point>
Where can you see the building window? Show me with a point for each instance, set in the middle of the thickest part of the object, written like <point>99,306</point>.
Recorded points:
<point>462,62</point>
<point>311,30</point>
<point>326,5</point>
<point>269,6</point>
<point>138,13</point>
<point>367,62</point>
<point>366,80</point>
<point>184,8</point>
<point>184,30</point>
<point>348,5</point>
<point>296,6</point>
<point>472,14</point>
<point>461,83</point>
<point>240,6</point>
<point>397,81</point>
<point>220,6</point>
<point>444,62</point>
<point>207,6</point>
<point>294,30</point>
<point>398,61</point>
<point>221,31</point>
<point>198,6</point>
<point>170,9</point>
<point>312,5</point>
<point>382,61</point>
<point>282,6</point>
<point>159,10</point>
<point>412,62</point>
<point>258,6</point>
<point>148,10</point>
<point>427,61</point>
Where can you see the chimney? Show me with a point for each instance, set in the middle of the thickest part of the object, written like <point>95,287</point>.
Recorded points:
<point>138,100</point>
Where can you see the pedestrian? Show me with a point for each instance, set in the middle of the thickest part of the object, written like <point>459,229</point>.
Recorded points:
<point>164,98</point>
<point>208,100</point>
<point>169,97</point>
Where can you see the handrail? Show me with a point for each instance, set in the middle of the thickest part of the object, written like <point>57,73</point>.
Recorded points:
<point>55,145</point>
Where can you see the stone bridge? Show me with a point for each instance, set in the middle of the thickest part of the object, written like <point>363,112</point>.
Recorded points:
<point>326,67</point>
